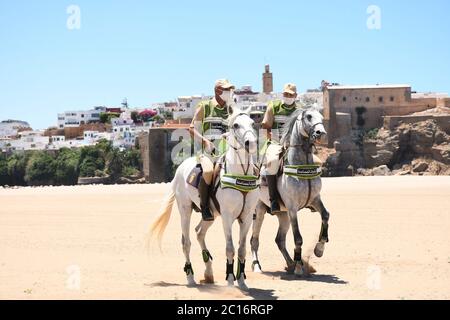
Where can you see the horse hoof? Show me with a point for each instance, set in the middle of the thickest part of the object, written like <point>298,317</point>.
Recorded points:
<point>298,271</point>
<point>319,249</point>
<point>230,280</point>
<point>191,281</point>
<point>209,279</point>
<point>243,286</point>
<point>290,268</point>
<point>256,267</point>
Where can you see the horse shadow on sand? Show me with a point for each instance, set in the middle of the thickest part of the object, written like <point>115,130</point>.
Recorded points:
<point>312,277</point>
<point>224,291</point>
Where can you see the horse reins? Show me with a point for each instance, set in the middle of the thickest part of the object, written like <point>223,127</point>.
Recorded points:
<point>307,149</point>
<point>240,140</point>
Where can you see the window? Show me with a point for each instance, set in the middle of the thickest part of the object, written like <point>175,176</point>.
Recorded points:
<point>392,99</point>
<point>82,115</point>
<point>380,99</point>
<point>344,99</point>
<point>367,99</point>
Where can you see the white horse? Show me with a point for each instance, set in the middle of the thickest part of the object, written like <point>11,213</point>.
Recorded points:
<point>236,195</point>
<point>299,187</point>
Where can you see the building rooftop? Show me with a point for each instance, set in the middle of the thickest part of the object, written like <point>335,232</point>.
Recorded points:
<point>368,86</point>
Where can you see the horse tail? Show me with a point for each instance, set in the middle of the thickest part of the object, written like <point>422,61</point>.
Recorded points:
<point>159,225</point>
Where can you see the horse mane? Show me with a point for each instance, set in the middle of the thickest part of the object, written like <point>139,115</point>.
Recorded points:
<point>288,127</point>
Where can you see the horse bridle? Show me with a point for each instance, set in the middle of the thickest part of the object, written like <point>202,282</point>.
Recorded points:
<point>240,141</point>
<point>311,134</point>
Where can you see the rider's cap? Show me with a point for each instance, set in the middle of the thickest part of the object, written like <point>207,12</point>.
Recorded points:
<point>290,88</point>
<point>224,84</point>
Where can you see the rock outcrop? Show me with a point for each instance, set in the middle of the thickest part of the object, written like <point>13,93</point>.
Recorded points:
<point>419,148</point>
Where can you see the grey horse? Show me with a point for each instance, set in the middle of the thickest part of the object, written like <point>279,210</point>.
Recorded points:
<point>299,187</point>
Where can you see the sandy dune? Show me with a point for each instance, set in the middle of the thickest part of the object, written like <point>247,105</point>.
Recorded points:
<point>389,239</point>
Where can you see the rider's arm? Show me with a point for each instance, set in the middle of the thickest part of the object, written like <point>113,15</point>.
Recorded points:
<point>267,122</point>
<point>195,127</point>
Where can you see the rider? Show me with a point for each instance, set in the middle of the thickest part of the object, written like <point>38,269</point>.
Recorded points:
<point>208,125</point>
<point>277,113</point>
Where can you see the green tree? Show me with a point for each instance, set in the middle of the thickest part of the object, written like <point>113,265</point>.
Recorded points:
<point>4,176</point>
<point>132,158</point>
<point>40,169</point>
<point>91,160</point>
<point>17,165</point>
<point>105,117</point>
<point>114,163</point>
<point>67,166</point>
<point>135,116</point>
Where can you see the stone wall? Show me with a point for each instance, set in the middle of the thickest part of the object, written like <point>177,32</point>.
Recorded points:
<point>156,147</point>
<point>367,107</point>
<point>447,102</point>
<point>75,132</point>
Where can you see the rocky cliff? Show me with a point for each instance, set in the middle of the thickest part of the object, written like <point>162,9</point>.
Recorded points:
<point>420,148</point>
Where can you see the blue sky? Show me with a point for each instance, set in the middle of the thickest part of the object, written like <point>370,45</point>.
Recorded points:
<point>151,51</point>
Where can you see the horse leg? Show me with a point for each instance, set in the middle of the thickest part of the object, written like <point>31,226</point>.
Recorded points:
<point>227,223</point>
<point>201,230</point>
<point>242,251</point>
<point>298,240</point>
<point>260,212</point>
<point>185,213</point>
<point>323,237</point>
<point>283,228</point>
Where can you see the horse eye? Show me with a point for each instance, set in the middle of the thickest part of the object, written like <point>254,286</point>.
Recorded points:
<point>236,126</point>
<point>309,117</point>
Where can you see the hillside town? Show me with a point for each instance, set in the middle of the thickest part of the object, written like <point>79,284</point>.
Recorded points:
<point>122,125</point>
<point>355,116</point>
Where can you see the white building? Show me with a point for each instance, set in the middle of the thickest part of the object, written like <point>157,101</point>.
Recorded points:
<point>123,119</point>
<point>90,137</point>
<point>77,118</point>
<point>187,105</point>
<point>245,95</point>
<point>30,140</point>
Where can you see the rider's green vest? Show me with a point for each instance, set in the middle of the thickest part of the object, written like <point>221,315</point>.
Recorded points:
<point>281,113</point>
<point>215,123</point>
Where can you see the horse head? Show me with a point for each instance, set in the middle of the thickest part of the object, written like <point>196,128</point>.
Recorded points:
<point>306,122</point>
<point>242,133</point>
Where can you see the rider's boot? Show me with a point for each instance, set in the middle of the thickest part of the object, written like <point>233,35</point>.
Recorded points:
<point>203,189</point>
<point>273,194</point>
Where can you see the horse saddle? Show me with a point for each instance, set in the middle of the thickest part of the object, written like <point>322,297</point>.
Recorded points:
<point>279,174</point>
<point>194,177</point>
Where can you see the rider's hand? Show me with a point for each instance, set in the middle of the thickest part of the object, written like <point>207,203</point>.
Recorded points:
<point>209,146</point>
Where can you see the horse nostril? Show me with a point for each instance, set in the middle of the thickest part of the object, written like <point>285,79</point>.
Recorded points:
<point>247,144</point>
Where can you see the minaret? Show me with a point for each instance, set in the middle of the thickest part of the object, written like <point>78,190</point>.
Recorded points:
<point>267,81</point>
